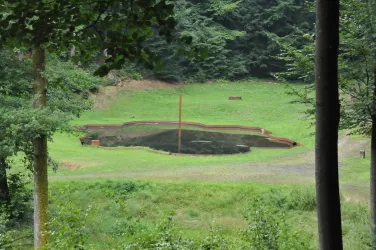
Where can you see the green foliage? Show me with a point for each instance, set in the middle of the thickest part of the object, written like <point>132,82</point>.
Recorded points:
<point>68,89</point>
<point>196,20</point>
<point>268,229</point>
<point>262,21</point>
<point>298,198</point>
<point>13,238</point>
<point>164,236</point>
<point>67,228</point>
<point>239,37</point>
<point>142,215</point>
<point>16,217</point>
<point>68,78</point>
<point>130,71</point>
<point>356,66</point>
<point>220,7</point>
<point>88,27</point>
<point>355,225</point>
<point>20,121</point>
<point>20,208</point>
<point>15,75</point>
<point>196,40</point>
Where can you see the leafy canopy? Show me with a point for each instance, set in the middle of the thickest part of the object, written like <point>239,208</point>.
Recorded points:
<point>88,26</point>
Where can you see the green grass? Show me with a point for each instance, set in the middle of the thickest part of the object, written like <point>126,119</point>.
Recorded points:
<point>195,207</point>
<point>127,211</point>
<point>88,159</point>
<point>263,105</point>
<point>201,193</point>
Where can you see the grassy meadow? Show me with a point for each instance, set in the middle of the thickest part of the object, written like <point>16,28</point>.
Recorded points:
<point>126,198</point>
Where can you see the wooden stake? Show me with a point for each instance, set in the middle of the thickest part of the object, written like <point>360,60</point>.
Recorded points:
<point>179,131</point>
<point>362,154</point>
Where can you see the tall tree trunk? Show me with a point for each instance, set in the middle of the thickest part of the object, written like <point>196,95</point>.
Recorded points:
<point>371,8</point>
<point>327,122</point>
<point>373,183</point>
<point>4,189</point>
<point>373,157</point>
<point>40,153</point>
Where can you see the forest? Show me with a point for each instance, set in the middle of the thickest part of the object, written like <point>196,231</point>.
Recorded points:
<point>261,151</point>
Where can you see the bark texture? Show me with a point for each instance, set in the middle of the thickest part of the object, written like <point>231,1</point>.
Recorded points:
<point>4,189</point>
<point>327,122</point>
<point>40,154</point>
<point>373,183</point>
<point>373,164</point>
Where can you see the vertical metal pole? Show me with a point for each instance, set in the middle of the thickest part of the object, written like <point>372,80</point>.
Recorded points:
<point>179,132</point>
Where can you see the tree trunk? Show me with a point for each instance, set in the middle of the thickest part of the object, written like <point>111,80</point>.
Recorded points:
<point>373,184</point>
<point>40,154</point>
<point>373,162</point>
<point>327,122</point>
<point>4,189</point>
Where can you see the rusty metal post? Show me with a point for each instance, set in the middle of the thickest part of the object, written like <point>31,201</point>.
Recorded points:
<point>179,131</point>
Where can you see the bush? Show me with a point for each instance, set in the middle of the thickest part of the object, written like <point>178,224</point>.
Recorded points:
<point>67,227</point>
<point>130,71</point>
<point>163,236</point>
<point>355,226</point>
<point>298,198</point>
<point>302,199</point>
<point>14,238</point>
<point>215,241</point>
<point>267,229</point>
<point>20,207</point>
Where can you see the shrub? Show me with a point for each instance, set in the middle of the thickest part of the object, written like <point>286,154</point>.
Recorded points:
<point>298,198</point>
<point>267,229</point>
<point>302,199</point>
<point>20,207</point>
<point>67,227</point>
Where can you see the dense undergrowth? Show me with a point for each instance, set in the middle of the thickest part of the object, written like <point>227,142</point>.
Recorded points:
<point>101,214</point>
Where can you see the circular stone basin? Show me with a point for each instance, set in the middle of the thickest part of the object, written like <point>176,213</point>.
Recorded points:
<point>196,138</point>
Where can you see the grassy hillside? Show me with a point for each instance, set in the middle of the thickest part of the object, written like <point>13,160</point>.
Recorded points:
<point>263,105</point>
<point>118,198</point>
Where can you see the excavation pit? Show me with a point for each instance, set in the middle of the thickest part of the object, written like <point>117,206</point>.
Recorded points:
<point>197,139</point>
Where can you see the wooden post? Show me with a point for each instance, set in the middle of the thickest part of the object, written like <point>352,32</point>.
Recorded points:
<point>362,154</point>
<point>179,131</point>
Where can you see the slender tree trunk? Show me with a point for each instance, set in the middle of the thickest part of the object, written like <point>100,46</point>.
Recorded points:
<point>373,162</point>
<point>371,8</point>
<point>373,183</point>
<point>40,154</point>
<point>4,189</point>
<point>327,122</point>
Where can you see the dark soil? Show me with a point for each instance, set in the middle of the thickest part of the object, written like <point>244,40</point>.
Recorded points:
<point>192,141</point>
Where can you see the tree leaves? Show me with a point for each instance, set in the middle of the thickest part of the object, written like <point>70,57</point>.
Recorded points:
<point>121,27</point>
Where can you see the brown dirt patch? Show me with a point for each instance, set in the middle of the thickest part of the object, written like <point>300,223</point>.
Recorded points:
<point>141,85</point>
<point>76,165</point>
<point>179,212</point>
<point>107,93</point>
